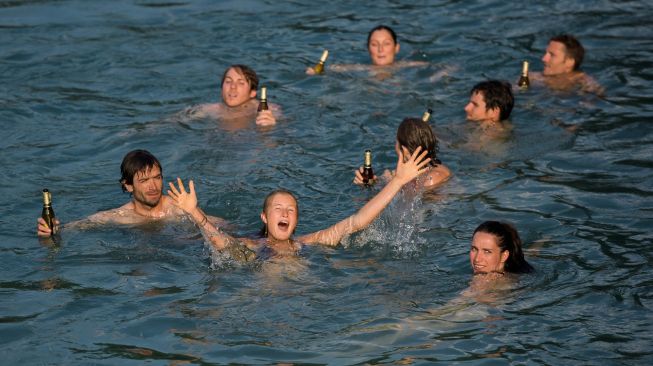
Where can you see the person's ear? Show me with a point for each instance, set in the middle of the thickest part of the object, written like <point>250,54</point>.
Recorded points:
<point>264,218</point>
<point>128,187</point>
<point>504,256</point>
<point>397,47</point>
<point>569,63</point>
<point>252,93</point>
<point>494,114</point>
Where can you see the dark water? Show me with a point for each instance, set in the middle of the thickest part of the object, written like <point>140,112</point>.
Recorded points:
<point>84,82</point>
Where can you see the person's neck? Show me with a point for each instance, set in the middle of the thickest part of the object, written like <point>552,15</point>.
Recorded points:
<point>241,107</point>
<point>155,212</point>
<point>280,244</point>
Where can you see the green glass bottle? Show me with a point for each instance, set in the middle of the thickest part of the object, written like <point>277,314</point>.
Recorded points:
<point>263,105</point>
<point>368,173</point>
<point>523,82</point>
<point>48,213</point>
<point>319,68</point>
<point>427,115</point>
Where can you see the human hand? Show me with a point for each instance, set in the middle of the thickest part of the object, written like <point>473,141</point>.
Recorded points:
<point>265,118</point>
<point>42,228</point>
<point>415,165</point>
<point>358,178</point>
<point>310,71</point>
<point>187,201</point>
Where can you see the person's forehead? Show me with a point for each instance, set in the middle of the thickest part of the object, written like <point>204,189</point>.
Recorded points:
<point>235,75</point>
<point>148,172</point>
<point>381,34</point>
<point>485,240</point>
<point>557,47</point>
<point>283,199</point>
<point>478,96</point>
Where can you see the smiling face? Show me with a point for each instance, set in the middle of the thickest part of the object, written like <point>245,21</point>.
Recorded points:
<point>556,61</point>
<point>382,48</point>
<point>477,110</point>
<point>280,216</point>
<point>485,255</point>
<point>236,90</point>
<point>147,187</point>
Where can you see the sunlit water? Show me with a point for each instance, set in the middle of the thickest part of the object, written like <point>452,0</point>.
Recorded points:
<point>84,82</point>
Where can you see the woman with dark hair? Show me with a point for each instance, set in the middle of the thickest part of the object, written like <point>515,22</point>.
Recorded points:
<point>496,248</point>
<point>280,215</point>
<point>383,48</point>
<point>413,133</point>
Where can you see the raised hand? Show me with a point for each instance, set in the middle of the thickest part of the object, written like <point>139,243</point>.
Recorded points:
<point>416,164</point>
<point>42,228</point>
<point>265,118</point>
<point>358,178</point>
<point>186,201</point>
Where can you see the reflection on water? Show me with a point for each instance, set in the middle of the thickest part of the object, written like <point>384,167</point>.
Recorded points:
<point>82,85</point>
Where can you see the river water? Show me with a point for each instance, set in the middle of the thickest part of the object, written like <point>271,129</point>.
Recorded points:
<point>84,82</point>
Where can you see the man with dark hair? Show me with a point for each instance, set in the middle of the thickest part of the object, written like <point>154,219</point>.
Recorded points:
<point>490,102</point>
<point>239,104</point>
<point>562,59</point>
<point>141,176</point>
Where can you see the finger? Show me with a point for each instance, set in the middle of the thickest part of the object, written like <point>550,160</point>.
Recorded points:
<point>416,152</point>
<point>191,187</point>
<point>173,190</point>
<point>182,189</point>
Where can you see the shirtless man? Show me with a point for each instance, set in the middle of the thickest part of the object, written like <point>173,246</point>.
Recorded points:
<point>562,59</point>
<point>490,102</point>
<point>142,178</point>
<point>239,103</point>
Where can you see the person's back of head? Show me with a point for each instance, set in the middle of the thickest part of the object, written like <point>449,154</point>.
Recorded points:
<point>247,72</point>
<point>414,132</point>
<point>507,239</point>
<point>497,94</point>
<point>136,161</point>
<point>573,48</point>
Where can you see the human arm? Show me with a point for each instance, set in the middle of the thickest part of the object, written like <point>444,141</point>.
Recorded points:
<point>187,201</point>
<point>406,172</point>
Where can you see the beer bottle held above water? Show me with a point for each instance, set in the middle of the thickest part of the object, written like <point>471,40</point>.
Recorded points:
<point>368,173</point>
<point>319,68</point>
<point>523,82</point>
<point>263,105</point>
<point>48,213</point>
<point>427,115</point>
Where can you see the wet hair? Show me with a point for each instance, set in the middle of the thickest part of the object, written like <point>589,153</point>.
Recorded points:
<point>507,239</point>
<point>246,71</point>
<point>263,233</point>
<point>414,132</point>
<point>497,94</point>
<point>134,162</point>
<point>382,27</point>
<point>573,48</point>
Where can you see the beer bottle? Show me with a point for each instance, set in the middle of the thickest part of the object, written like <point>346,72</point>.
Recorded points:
<point>319,68</point>
<point>48,213</point>
<point>523,82</point>
<point>368,173</point>
<point>427,115</point>
<point>263,105</point>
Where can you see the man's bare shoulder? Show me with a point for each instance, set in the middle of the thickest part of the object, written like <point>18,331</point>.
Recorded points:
<point>121,215</point>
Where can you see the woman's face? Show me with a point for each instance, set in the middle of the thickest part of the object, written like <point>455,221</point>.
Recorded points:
<point>280,216</point>
<point>485,256</point>
<point>236,89</point>
<point>382,48</point>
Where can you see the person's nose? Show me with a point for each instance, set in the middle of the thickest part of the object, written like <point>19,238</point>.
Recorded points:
<point>545,58</point>
<point>468,107</point>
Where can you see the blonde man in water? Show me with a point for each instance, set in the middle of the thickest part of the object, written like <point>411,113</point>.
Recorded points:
<point>281,213</point>
<point>239,89</point>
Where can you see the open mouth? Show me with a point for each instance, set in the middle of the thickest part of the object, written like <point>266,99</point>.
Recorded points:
<point>283,225</point>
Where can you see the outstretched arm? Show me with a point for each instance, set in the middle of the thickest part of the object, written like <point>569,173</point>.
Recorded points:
<point>406,172</point>
<point>187,201</point>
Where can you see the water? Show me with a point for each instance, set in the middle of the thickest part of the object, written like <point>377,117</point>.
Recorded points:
<point>84,82</point>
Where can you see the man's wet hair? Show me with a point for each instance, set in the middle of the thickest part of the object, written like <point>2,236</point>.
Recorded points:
<point>497,94</point>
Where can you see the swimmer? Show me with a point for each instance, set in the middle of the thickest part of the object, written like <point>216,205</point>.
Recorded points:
<point>562,59</point>
<point>239,103</point>
<point>496,249</point>
<point>142,178</point>
<point>281,213</point>
<point>490,103</point>
<point>414,134</point>
<point>383,48</point>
